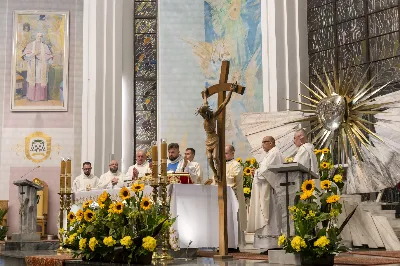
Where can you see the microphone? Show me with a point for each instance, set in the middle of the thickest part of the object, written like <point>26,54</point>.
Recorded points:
<point>30,171</point>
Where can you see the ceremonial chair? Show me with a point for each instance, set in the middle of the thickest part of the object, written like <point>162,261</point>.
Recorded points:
<point>42,205</point>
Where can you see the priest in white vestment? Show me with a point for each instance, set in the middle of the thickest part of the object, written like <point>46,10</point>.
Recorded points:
<point>188,165</point>
<point>234,179</point>
<point>85,181</point>
<point>305,155</point>
<point>140,169</point>
<point>174,157</point>
<point>112,179</point>
<point>265,216</point>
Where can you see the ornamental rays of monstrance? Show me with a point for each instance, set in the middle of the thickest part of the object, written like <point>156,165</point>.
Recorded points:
<point>349,114</point>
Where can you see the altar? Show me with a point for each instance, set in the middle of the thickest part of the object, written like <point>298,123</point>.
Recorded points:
<point>196,209</point>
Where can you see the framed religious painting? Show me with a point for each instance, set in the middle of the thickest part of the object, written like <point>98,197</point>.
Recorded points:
<point>40,61</point>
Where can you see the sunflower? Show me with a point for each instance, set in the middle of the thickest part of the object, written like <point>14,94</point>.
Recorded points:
<point>137,187</point>
<point>324,165</point>
<point>326,184</point>
<point>325,150</point>
<point>253,161</point>
<point>305,195</point>
<point>79,215</point>
<point>145,203</point>
<point>71,216</point>
<point>316,151</point>
<point>124,193</point>
<point>308,186</point>
<point>103,197</point>
<point>248,160</point>
<point>89,216</point>
<point>118,207</point>
<point>247,171</point>
<point>239,160</point>
<point>86,204</point>
<point>332,199</point>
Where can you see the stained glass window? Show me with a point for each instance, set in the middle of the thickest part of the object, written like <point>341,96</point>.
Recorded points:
<point>362,35</point>
<point>145,73</point>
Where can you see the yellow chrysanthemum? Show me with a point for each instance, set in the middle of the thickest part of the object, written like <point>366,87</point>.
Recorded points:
<point>332,199</point>
<point>71,238</point>
<point>308,186</point>
<point>338,178</point>
<point>247,171</point>
<point>149,243</point>
<point>305,195</point>
<point>126,241</point>
<point>111,208</point>
<point>89,216</point>
<point>118,207</point>
<point>281,240</point>
<point>324,165</point>
<point>145,203</point>
<point>81,229</point>
<point>289,160</point>
<point>92,243</point>
<point>103,197</point>
<point>109,241</point>
<point>71,216</point>
<point>292,208</point>
<point>325,151</point>
<point>321,242</point>
<point>137,187</point>
<point>239,160</point>
<point>326,184</point>
<point>253,161</point>
<point>79,215</point>
<point>124,193</point>
<point>82,243</point>
<point>316,151</point>
<point>86,204</point>
<point>246,190</point>
<point>298,243</point>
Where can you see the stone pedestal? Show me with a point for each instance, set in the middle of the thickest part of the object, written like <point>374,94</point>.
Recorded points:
<point>27,192</point>
<point>283,258</point>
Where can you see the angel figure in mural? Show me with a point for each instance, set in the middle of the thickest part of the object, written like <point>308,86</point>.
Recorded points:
<point>212,140</point>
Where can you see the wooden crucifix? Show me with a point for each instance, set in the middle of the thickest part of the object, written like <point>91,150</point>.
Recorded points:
<point>215,145</point>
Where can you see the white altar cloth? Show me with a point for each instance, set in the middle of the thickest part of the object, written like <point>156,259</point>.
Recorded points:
<point>196,209</point>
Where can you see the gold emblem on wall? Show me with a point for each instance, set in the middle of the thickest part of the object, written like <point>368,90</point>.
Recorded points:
<point>37,147</point>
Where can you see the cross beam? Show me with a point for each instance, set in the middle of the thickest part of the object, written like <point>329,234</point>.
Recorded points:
<point>221,88</point>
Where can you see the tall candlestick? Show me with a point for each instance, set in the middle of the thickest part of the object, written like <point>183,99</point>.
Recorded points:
<point>163,159</point>
<point>62,175</point>
<point>154,161</point>
<point>68,175</point>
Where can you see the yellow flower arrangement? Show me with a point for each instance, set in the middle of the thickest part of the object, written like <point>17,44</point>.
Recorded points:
<point>308,186</point>
<point>124,193</point>
<point>137,187</point>
<point>239,160</point>
<point>338,178</point>
<point>109,241</point>
<point>71,216</point>
<point>305,195</point>
<point>89,216</point>
<point>281,240</point>
<point>321,242</point>
<point>86,204</point>
<point>325,151</point>
<point>324,165</point>
<point>326,184</point>
<point>118,207</point>
<point>71,238</point>
<point>149,243</point>
<point>246,190</point>
<point>247,171</point>
<point>298,243</point>
<point>92,243</point>
<point>79,215</point>
<point>82,243</point>
<point>145,203</point>
<point>332,199</point>
<point>126,241</point>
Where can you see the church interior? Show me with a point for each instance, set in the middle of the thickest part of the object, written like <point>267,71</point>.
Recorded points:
<point>201,132</point>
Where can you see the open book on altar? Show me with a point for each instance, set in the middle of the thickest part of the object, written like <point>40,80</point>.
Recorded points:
<point>182,178</point>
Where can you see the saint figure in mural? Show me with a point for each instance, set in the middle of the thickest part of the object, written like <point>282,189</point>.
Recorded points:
<point>38,57</point>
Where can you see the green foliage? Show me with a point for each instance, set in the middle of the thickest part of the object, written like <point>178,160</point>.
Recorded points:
<point>3,229</point>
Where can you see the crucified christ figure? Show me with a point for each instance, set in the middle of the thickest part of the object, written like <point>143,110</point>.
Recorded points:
<point>212,140</point>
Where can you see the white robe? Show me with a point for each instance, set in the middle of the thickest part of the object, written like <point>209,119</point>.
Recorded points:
<point>105,180</point>
<point>306,156</point>
<point>82,182</point>
<point>194,170</point>
<point>234,179</point>
<point>142,169</point>
<point>265,217</point>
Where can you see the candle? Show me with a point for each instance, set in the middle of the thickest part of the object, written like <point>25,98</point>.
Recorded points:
<point>62,176</point>
<point>68,175</point>
<point>154,161</point>
<point>163,158</point>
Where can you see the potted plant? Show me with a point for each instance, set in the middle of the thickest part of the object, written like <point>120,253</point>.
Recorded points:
<point>121,231</point>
